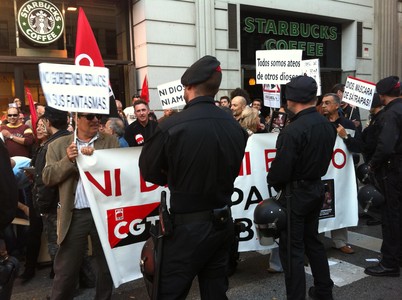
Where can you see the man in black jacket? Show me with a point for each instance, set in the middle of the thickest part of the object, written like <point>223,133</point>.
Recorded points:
<point>386,163</point>
<point>297,169</point>
<point>197,153</point>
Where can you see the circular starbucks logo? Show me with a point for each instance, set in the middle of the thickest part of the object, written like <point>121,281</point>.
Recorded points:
<point>40,21</point>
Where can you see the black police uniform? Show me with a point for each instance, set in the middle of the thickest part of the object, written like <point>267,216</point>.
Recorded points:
<point>387,165</point>
<point>198,153</point>
<point>370,136</point>
<point>304,150</point>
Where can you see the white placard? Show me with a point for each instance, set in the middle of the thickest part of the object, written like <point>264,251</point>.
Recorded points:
<point>75,88</point>
<point>358,92</point>
<point>311,67</point>
<point>277,66</point>
<point>171,94</point>
<point>272,95</point>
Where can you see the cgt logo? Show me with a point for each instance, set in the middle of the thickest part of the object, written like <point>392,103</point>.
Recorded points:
<point>40,21</point>
<point>129,225</point>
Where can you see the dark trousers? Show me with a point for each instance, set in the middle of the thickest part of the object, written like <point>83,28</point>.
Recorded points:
<point>390,183</point>
<point>196,249</point>
<point>306,205</point>
<point>69,259</point>
<point>34,239</point>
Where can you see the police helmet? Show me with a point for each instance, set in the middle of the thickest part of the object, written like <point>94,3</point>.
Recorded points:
<point>362,172</point>
<point>369,196</point>
<point>147,264</point>
<point>269,218</point>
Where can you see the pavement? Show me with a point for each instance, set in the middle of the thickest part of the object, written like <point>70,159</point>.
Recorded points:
<point>253,281</point>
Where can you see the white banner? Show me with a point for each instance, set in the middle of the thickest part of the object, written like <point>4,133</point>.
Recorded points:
<point>171,94</point>
<point>75,88</point>
<point>358,92</point>
<point>124,206</point>
<point>277,66</point>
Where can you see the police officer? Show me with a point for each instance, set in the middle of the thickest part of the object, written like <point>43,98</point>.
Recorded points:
<point>304,150</point>
<point>386,163</point>
<point>197,153</point>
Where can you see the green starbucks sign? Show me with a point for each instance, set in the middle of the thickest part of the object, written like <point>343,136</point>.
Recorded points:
<point>40,21</point>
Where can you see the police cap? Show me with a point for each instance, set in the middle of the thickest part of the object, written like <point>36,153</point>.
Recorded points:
<point>387,85</point>
<point>201,70</point>
<point>301,89</point>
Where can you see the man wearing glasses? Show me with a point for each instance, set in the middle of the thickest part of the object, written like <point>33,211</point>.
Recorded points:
<point>75,221</point>
<point>18,137</point>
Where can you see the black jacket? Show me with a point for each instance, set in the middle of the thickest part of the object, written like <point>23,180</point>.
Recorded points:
<point>198,153</point>
<point>304,149</point>
<point>45,198</point>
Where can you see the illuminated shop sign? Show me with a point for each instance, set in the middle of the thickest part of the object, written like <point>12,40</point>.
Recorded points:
<point>40,21</point>
<point>317,38</point>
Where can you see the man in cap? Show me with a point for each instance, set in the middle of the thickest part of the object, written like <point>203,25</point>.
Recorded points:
<point>386,163</point>
<point>74,218</point>
<point>197,153</point>
<point>297,171</point>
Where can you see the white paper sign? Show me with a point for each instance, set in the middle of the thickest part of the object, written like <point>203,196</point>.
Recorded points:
<point>171,94</point>
<point>277,66</point>
<point>75,88</point>
<point>311,67</point>
<point>358,92</point>
<point>272,95</point>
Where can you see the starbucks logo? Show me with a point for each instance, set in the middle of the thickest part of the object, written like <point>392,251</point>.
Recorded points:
<point>40,21</point>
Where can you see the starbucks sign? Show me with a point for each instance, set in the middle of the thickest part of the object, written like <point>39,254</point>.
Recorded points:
<point>40,21</point>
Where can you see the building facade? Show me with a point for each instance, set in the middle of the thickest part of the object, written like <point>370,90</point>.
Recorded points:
<point>161,38</point>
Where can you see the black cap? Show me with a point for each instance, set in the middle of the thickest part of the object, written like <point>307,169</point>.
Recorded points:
<point>376,101</point>
<point>201,70</point>
<point>301,89</point>
<point>54,115</point>
<point>387,85</point>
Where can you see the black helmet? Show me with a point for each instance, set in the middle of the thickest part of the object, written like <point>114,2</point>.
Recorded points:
<point>369,195</point>
<point>269,218</point>
<point>362,172</point>
<point>147,264</point>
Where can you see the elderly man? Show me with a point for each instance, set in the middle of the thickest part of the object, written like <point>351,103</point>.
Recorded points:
<point>75,221</point>
<point>297,171</point>
<point>115,126</point>
<point>18,137</point>
<point>197,153</point>
<point>142,128</point>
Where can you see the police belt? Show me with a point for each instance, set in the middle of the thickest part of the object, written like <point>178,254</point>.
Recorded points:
<point>201,216</point>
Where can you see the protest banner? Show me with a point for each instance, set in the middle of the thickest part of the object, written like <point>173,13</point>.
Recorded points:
<point>272,95</point>
<point>277,66</point>
<point>311,67</point>
<point>75,88</point>
<point>358,92</point>
<point>124,206</point>
<point>171,94</point>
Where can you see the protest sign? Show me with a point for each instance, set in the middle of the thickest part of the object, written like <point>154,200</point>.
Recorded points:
<point>277,66</point>
<point>311,67</point>
<point>75,88</point>
<point>358,92</point>
<point>171,94</point>
<point>272,95</point>
<point>124,205</point>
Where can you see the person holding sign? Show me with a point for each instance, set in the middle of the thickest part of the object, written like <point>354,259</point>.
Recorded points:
<point>74,218</point>
<point>197,153</point>
<point>297,169</point>
<point>386,163</point>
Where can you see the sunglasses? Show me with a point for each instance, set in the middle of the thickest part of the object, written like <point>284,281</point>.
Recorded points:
<point>90,117</point>
<point>12,115</point>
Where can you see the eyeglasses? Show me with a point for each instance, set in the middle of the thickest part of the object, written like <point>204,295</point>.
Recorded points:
<point>90,117</point>
<point>12,115</point>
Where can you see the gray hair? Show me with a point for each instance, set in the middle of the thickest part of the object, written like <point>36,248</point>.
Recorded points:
<point>117,125</point>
